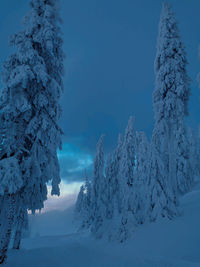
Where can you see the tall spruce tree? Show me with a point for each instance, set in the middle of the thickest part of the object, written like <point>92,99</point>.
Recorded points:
<point>117,155</point>
<point>126,182</point>
<point>88,203</point>
<point>98,204</point>
<point>142,157</point>
<point>109,187</point>
<point>30,111</point>
<point>170,100</point>
<point>140,192</point>
<point>127,162</point>
<point>80,201</point>
<point>83,207</point>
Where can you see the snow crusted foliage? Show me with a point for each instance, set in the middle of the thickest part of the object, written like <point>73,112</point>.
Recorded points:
<point>29,103</point>
<point>30,135</point>
<point>10,176</point>
<point>142,181</point>
<point>170,101</point>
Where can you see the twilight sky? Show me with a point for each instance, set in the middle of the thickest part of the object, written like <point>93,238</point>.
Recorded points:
<point>110,47</point>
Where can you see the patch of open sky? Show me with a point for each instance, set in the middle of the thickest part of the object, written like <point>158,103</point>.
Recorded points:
<point>73,163</point>
<point>67,198</point>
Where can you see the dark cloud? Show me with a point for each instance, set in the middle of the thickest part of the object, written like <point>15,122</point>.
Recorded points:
<point>74,162</point>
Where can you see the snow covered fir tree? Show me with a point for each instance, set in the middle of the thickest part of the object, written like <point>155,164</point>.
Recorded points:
<point>30,135</point>
<point>142,181</point>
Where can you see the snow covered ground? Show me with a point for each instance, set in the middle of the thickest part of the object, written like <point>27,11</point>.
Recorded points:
<point>54,243</point>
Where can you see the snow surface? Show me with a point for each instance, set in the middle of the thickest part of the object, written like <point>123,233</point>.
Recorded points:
<point>54,242</point>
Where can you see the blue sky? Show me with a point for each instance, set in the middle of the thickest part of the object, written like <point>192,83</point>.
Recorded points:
<point>110,48</point>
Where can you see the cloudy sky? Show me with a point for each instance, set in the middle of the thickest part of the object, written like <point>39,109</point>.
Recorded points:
<point>110,47</point>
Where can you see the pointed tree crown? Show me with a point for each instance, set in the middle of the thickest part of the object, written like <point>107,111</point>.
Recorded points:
<point>172,90</point>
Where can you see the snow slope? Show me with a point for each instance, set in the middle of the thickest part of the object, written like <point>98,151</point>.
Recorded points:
<point>162,244</point>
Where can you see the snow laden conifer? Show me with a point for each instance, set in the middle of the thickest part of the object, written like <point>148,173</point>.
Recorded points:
<point>84,205</point>
<point>140,189</point>
<point>127,162</point>
<point>102,197</point>
<point>194,155</point>
<point>110,190</point>
<point>142,157</point>
<point>113,192</point>
<point>111,196</point>
<point>161,201</point>
<point>126,180</point>
<point>184,164</point>
<point>30,111</point>
<point>117,155</point>
<point>170,99</point>
<point>80,201</point>
<point>98,186</point>
<point>88,203</point>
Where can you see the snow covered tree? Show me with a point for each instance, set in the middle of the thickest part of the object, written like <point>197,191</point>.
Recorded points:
<point>80,200</point>
<point>86,222</point>
<point>184,172</point>
<point>44,31</point>
<point>126,181</point>
<point>98,204</point>
<point>193,156</point>
<point>88,189</point>
<point>117,155</point>
<point>10,183</point>
<point>142,157</point>
<point>127,163</point>
<point>109,187</point>
<point>140,189</point>
<point>161,201</point>
<point>170,97</point>
<point>83,205</point>
<point>30,110</point>
<point>100,207</point>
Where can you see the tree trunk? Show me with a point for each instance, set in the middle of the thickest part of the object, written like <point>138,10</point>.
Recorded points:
<point>7,218</point>
<point>17,239</point>
<point>21,224</point>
